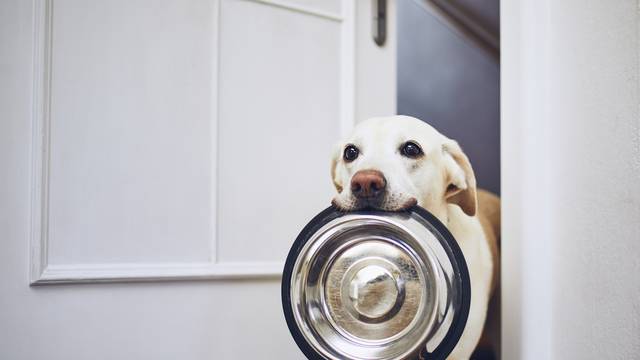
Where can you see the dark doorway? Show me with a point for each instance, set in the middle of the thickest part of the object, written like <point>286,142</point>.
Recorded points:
<point>449,75</point>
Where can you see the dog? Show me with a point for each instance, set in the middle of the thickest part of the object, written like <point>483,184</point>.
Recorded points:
<point>392,163</point>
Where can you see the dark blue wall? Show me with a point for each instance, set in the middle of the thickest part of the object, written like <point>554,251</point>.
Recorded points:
<point>447,81</point>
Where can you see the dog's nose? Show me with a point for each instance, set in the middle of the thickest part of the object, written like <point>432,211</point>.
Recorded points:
<point>368,184</point>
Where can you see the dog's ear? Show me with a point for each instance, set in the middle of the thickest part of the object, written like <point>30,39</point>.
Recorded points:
<point>461,181</point>
<point>335,157</point>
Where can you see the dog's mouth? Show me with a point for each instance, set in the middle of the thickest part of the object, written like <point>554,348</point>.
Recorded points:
<point>387,203</point>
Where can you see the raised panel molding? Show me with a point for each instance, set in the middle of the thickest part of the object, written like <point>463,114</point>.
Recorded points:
<point>42,272</point>
<point>129,272</point>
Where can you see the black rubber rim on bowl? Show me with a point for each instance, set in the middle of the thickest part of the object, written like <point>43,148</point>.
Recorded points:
<point>447,241</point>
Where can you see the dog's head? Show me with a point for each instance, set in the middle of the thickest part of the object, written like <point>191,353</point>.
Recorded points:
<point>393,163</point>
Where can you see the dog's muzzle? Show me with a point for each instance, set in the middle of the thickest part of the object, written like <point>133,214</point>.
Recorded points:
<point>376,285</point>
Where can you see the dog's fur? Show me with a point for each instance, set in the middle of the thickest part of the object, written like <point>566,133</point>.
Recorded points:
<point>440,180</point>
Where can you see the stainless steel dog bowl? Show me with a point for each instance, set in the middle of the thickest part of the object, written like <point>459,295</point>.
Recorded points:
<point>375,285</point>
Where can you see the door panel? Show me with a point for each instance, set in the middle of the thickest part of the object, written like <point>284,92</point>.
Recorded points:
<point>279,117</point>
<point>187,140</point>
<point>129,131</point>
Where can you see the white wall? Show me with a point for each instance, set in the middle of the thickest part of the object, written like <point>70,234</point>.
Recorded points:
<point>571,179</point>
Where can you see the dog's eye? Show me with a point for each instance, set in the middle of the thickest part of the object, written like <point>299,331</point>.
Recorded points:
<point>350,153</point>
<point>411,149</point>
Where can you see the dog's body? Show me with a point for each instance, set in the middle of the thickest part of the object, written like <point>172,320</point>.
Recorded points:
<point>395,162</point>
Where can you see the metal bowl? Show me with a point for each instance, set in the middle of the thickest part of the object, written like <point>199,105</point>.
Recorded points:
<point>375,285</point>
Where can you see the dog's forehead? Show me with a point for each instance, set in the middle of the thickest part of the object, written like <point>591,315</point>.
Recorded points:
<point>395,130</point>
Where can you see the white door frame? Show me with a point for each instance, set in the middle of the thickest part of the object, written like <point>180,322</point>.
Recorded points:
<point>526,303</point>
<point>570,179</point>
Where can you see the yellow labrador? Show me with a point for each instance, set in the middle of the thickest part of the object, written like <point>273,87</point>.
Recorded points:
<point>393,163</point>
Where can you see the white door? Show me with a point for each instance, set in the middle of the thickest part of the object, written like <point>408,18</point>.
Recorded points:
<point>158,158</point>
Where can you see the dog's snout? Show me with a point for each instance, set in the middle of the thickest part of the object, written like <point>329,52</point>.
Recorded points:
<point>368,184</point>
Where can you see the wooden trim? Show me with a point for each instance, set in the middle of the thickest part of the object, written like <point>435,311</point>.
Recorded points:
<point>126,272</point>
<point>307,10</point>
<point>347,67</point>
<point>40,138</point>
<point>526,247</point>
